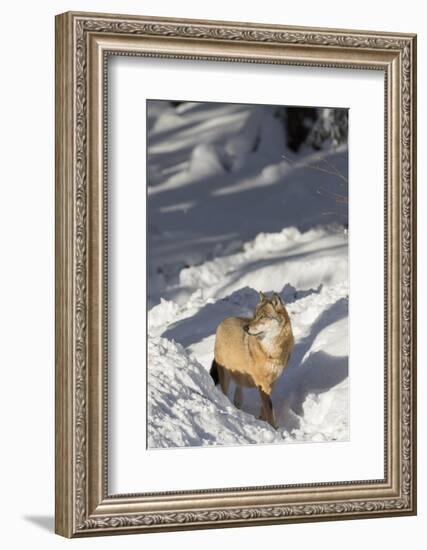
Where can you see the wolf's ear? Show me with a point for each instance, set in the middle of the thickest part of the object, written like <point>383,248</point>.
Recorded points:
<point>277,301</point>
<point>262,297</point>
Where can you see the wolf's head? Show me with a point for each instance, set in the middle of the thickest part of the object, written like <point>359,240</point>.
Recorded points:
<point>269,318</point>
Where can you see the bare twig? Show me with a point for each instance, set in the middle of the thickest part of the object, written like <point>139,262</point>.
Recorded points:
<point>333,170</point>
<point>336,196</point>
<point>336,171</point>
<point>330,169</point>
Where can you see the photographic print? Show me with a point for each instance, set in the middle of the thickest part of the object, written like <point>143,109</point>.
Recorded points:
<point>247,274</point>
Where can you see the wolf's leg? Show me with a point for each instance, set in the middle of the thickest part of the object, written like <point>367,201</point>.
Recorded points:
<point>238,397</point>
<point>267,412</point>
<point>214,372</point>
<point>224,379</point>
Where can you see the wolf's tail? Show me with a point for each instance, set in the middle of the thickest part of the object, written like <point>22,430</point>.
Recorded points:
<point>214,372</point>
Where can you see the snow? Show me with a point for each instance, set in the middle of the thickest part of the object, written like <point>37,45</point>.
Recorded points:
<point>185,410</point>
<point>232,212</point>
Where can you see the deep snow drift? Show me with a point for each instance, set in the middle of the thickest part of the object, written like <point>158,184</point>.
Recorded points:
<point>228,216</point>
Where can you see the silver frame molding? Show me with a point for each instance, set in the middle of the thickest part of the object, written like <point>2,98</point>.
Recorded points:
<point>83,43</point>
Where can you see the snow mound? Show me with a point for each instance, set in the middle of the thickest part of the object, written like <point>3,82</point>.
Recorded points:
<point>303,259</point>
<point>186,409</point>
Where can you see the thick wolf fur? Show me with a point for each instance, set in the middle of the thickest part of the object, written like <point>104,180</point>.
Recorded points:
<point>254,352</point>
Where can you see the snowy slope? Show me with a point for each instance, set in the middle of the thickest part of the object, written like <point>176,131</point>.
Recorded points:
<point>228,219</point>
<point>310,398</point>
<point>184,408</point>
<point>218,175</point>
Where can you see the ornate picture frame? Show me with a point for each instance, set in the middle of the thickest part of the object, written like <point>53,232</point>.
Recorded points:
<point>83,43</point>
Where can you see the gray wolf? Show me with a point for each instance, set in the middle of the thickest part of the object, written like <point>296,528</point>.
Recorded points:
<point>254,352</point>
